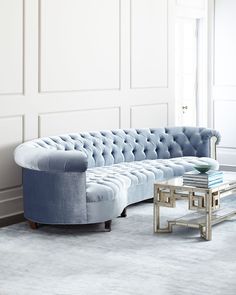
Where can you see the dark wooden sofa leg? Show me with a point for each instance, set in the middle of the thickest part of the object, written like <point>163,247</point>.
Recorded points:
<point>33,225</point>
<point>123,213</point>
<point>108,225</point>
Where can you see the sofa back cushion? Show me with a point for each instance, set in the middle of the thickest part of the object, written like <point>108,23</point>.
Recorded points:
<point>111,147</point>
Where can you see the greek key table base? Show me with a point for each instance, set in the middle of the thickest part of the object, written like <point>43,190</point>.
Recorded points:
<point>204,204</point>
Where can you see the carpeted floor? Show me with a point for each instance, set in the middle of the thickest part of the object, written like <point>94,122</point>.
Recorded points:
<point>84,260</point>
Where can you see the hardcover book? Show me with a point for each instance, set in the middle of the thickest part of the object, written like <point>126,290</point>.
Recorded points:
<point>204,180</point>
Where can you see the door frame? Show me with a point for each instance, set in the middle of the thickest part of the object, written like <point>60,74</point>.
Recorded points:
<point>203,103</point>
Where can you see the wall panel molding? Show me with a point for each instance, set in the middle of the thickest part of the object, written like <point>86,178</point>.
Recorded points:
<point>11,194</point>
<point>14,125</point>
<point>11,207</point>
<point>55,123</point>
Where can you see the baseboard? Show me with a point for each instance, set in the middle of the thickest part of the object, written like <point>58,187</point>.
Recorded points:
<point>9,220</point>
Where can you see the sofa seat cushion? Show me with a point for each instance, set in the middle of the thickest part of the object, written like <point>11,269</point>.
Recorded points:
<point>125,179</point>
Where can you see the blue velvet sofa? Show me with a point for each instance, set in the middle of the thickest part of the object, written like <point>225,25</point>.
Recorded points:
<point>91,177</point>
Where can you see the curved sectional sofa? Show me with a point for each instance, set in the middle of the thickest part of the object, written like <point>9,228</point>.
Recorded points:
<point>91,177</point>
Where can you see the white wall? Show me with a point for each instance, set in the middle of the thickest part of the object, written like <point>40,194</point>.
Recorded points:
<point>72,65</point>
<point>224,78</point>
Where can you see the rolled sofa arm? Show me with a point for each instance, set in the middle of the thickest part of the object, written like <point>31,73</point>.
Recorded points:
<point>50,160</point>
<point>207,134</point>
<point>195,141</point>
<point>213,138</point>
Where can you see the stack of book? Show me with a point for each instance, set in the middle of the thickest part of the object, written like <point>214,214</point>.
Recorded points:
<point>204,180</point>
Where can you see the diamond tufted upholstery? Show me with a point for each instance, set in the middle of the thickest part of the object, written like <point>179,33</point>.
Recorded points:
<point>111,147</point>
<point>135,174</point>
<point>92,176</point>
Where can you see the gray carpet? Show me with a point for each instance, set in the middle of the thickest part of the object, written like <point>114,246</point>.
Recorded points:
<point>84,260</point>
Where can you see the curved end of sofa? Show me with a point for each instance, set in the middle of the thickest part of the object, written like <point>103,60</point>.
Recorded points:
<point>209,133</point>
<point>40,159</point>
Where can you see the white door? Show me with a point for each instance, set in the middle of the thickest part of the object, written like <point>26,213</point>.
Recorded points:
<point>186,71</point>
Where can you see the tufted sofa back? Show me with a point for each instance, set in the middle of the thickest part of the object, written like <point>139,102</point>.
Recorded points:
<point>111,147</point>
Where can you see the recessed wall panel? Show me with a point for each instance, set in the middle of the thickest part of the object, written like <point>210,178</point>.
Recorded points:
<point>226,157</point>
<point>76,121</point>
<point>225,43</point>
<point>79,45</point>
<point>149,49</point>
<point>11,134</point>
<point>11,48</point>
<point>148,116</point>
<point>225,122</point>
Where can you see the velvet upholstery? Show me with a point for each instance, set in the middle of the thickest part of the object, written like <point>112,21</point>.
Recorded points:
<point>57,197</point>
<point>92,176</point>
